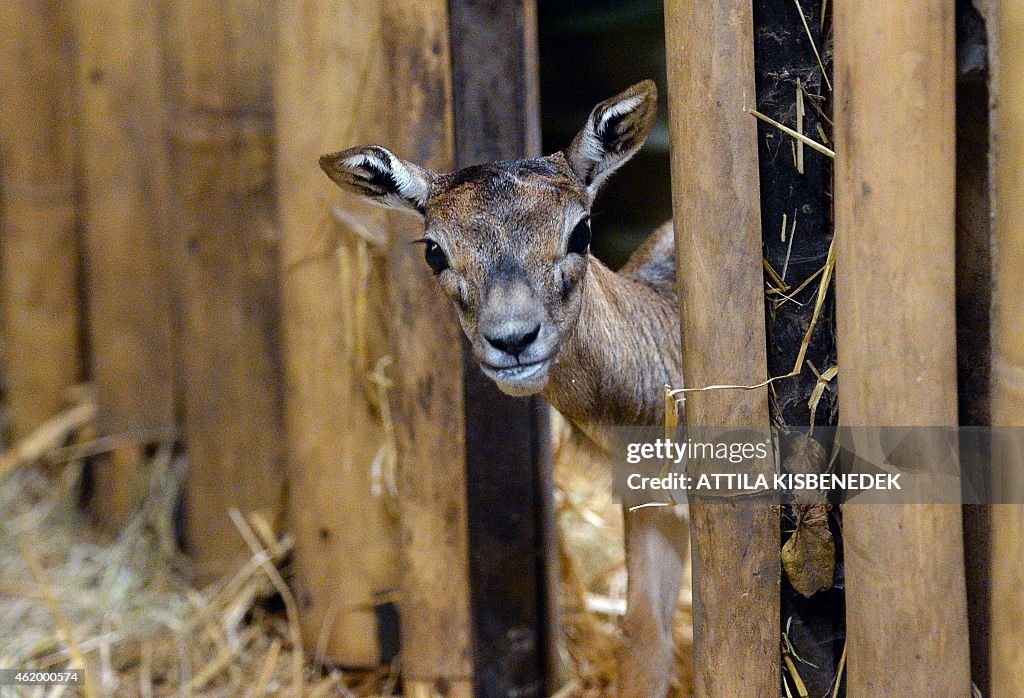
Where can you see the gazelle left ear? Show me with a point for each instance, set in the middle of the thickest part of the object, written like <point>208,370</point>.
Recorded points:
<point>378,174</point>
<point>615,131</point>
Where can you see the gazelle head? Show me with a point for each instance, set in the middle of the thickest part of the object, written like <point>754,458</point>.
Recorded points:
<point>509,241</point>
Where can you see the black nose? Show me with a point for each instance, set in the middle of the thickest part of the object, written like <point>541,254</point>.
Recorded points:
<point>515,342</point>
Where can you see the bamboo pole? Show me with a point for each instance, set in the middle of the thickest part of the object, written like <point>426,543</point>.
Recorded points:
<point>219,67</point>
<point>1008,353</point>
<point>332,91</point>
<point>437,655</point>
<point>39,249</point>
<point>894,198</point>
<point>718,243</point>
<point>126,226</point>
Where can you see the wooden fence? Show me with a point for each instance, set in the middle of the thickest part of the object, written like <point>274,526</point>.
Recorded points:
<point>168,237</point>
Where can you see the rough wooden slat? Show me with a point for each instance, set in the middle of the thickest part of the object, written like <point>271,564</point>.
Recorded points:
<point>125,199</point>
<point>1008,350</point>
<point>333,92</point>
<point>716,210</point>
<point>39,247</point>
<point>436,634</point>
<point>894,194</point>
<point>219,69</point>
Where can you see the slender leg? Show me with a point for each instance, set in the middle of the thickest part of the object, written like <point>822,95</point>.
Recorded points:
<point>657,546</point>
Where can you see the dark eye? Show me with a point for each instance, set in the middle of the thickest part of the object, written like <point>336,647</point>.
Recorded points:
<point>579,241</point>
<point>436,259</point>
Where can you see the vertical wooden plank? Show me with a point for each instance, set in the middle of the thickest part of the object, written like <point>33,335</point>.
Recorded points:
<point>716,209</point>
<point>496,114</point>
<point>219,67</point>
<point>332,91</point>
<point>1008,350</point>
<point>437,653</point>
<point>126,227</point>
<point>894,194</point>
<point>39,249</point>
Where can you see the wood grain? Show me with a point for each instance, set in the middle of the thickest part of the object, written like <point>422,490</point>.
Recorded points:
<point>127,216</point>
<point>894,199</point>
<point>333,93</point>
<point>716,207</point>
<point>388,81</point>
<point>39,245</point>
<point>1008,352</point>
<point>436,635</point>
<point>219,69</point>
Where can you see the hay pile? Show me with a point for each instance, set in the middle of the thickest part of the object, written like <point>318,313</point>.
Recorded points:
<point>123,612</point>
<point>594,576</point>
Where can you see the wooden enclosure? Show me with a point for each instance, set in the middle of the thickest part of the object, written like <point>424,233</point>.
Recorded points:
<point>167,238</point>
<point>336,332</point>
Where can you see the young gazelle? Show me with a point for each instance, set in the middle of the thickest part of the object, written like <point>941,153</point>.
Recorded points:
<point>509,245</point>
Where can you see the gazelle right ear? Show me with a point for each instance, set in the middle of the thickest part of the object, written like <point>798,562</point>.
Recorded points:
<point>615,131</point>
<point>381,176</point>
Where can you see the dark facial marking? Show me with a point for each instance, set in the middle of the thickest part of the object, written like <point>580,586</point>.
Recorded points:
<point>567,287</point>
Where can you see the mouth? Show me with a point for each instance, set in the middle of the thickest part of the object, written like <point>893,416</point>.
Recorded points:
<point>521,379</point>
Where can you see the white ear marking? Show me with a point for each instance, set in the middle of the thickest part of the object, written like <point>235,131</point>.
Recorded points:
<point>615,131</point>
<point>622,107</point>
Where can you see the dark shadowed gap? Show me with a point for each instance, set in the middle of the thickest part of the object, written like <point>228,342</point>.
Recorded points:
<point>974,305</point>
<point>591,50</point>
<point>797,228</point>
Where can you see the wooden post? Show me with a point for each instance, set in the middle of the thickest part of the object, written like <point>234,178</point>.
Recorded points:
<point>389,82</point>
<point>219,73</point>
<point>894,198</point>
<point>333,92</point>
<point>1008,353</point>
<point>497,117</point>
<point>718,242</point>
<point>39,248</point>
<point>437,653</point>
<point>126,216</point>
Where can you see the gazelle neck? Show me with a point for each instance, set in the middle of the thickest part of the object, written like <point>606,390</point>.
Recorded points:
<point>624,348</point>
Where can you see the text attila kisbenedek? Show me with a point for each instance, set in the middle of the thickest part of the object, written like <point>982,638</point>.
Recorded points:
<point>780,481</point>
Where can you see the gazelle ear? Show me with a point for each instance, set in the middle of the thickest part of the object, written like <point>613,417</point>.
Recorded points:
<point>381,176</point>
<point>615,131</point>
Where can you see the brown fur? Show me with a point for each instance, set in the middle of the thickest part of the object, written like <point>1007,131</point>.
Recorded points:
<point>626,345</point>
